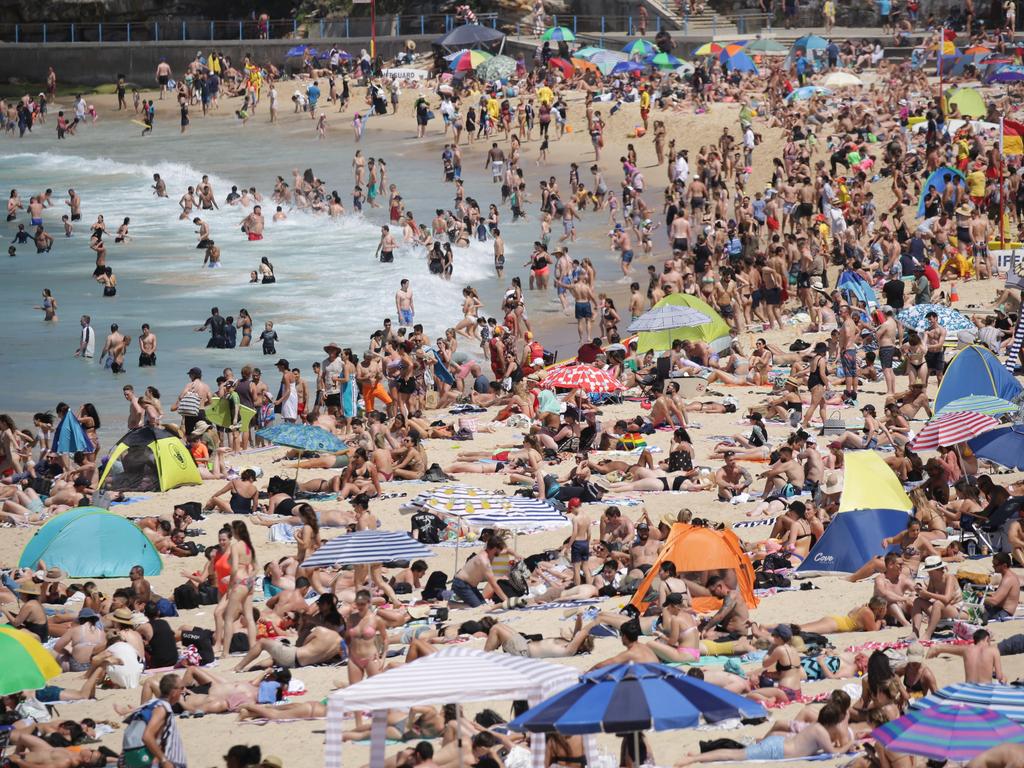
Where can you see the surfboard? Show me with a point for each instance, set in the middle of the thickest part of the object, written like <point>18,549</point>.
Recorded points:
<point>218,413</point>
<point>140,123</point>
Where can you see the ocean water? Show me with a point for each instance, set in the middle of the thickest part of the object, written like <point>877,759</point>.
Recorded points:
<point>329,286</point>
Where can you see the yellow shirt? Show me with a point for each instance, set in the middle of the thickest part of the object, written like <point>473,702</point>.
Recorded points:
<point>962,150</point>
<point>645,100</point>
<point>493,108</point>
<point>545,95</point>
<point>976,183</point>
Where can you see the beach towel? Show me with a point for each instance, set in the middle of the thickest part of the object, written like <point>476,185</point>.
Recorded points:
<point>563,604</point>
<point>754,523</point>
<point>814,758</point>
<point>130,500</point>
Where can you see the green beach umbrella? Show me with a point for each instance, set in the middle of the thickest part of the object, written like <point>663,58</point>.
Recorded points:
<point>586,53</point>
<point>640,47</point>
<point>766,48</point>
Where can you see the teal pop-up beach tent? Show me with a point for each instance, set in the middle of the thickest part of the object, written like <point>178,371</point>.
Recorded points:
<point>91,543</point>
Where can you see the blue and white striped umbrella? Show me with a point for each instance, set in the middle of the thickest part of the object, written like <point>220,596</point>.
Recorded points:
<point>367,547</point>
<point>990,406</point>
<point>1007,700</point>
<point>520,517</point>
<point>916,317</point>
<point>668,317</point>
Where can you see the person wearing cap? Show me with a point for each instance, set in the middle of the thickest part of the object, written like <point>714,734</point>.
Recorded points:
<point>30,616</point>
<point>917,678</point>
<point>77,646</point>
<point>781,671</point>
<point>194,397</point>
<point>938,598</point>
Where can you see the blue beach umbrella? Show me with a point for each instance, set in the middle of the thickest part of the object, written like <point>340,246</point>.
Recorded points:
<point>809,43</point>
<point>305,437</point>
<point>915,317</point>
<point>1004,446</point>
<point>627,66</point>
<point>628,698</point>
<point>1006,73</point>
<point>69,437</point>
<point>741,62</point>
<point>555,34</point>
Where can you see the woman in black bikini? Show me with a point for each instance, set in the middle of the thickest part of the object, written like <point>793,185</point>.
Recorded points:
<point>817,380</point>
<point>31,616</point>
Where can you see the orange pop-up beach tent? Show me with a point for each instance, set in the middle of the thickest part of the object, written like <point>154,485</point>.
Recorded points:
<point>702,549</point>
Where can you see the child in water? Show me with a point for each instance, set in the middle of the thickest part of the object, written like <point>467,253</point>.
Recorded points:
<point>268,337</point>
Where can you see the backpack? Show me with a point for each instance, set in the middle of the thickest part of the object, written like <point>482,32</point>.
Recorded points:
<point>435,474</point>
<point>186,597</point>
<point>133,751</point>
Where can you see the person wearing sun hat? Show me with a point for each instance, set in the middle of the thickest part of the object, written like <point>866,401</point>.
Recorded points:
<point>938,598</point>
<point>31,616</point>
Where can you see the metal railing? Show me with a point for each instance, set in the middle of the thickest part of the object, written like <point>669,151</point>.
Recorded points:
<point>385,25</point>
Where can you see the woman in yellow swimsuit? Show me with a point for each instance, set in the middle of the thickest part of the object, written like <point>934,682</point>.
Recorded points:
<point>866,618</point>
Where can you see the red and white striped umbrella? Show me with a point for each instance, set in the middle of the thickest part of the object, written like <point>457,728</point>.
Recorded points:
<point>585,377</point>
<point>951,428</point>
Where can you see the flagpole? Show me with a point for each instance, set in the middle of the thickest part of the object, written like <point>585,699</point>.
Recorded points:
<point>1002,164</point>
<point>938,64</point>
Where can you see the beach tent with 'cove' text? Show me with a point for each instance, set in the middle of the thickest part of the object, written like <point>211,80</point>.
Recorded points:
<point>873,506</point>
<point>975,371</point>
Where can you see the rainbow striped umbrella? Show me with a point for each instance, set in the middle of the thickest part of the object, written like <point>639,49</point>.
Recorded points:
<point>464,60</point>
<point>952,428</point>
<point>948,732</point>
<point>730,50</point>
<point>27,664</point>
<point>709,49</point>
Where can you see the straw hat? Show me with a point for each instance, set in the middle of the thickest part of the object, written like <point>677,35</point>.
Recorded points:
<point>334,345</point>
<point>933,563</point>
<point>964,209</point>
<point>122,616</point>
<point>28,588</point>
<point>916,653</point>
<point>833,483</point>
<point>54,574</point>
<point>790,381</point>
<point>418,611</point>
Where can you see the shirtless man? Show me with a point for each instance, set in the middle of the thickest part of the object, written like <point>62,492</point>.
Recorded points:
<point>616,529</point>
<point>731,479</point>
<point>476,570</point>
<point>586,304</point>
<point>495,160</point>
<point>252,224</point>
<point>404,306</point>
<point>896,587</point>
<point>732,617</point>
<point>136,413</point>
<point>1002,604</point>
<point>320,645</point>
<point>203,232</point>
<point>629,634</point>
<point>74,202</point>
<point>642,553</point>
<point>579,547</point>
<point>886,336</point>
<point>187,203</point>
<point>934,343</point>
<point>147,347</point>
<point>159,186</point>
<point>848,338</point>
<point>679,234</point>
<point>785,477</point>
<point>205,191</point>
<point>163,76</point>
<point>982,662</point>
<point>113,343</point>
<point>814,466</point>
<point>386,247</point>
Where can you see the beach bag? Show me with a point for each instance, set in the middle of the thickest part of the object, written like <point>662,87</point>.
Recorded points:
<point>518,576</point>
<point>186,597</point>
<point>435,474</point>
<point>834,425</point>
<point>133,751</point>
<point>189,404</point>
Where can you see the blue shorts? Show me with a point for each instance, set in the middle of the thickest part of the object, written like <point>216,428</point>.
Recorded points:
<point>583,310</point>
<point>579,552</point>
<point>627,257</point>
<point>770,748</point>
<point>850,363</point>
<point>49,695</point>
<point>467,593</point>
<point>405,316</point>
<point>996,614</point>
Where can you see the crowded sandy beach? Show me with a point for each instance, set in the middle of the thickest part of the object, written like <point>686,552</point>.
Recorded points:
<point>603,407</point>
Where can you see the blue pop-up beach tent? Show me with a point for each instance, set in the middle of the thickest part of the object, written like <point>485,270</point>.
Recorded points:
<point>852,283</point>
<point>976,371</point>
<point>69,437</point>
<point>937,181</point>
<point>91,543</point>
<point>873,506</point>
